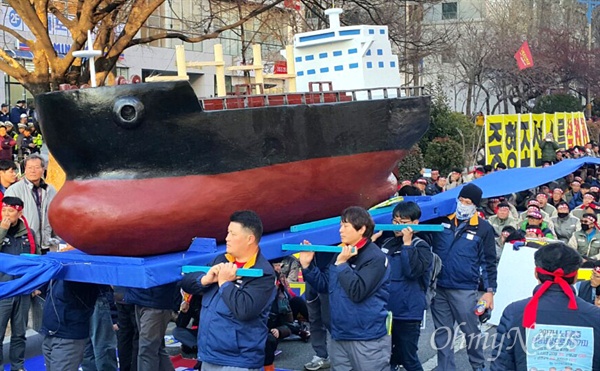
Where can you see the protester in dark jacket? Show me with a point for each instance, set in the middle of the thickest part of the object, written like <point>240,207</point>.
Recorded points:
<point>66,323</point>
<point>16,239</point>
<point>554,309</point>
<point>233,322</point>
<point>358,285</point>
<point>467,249</point>
<point>411,263</point>
<point>587,289</point>
<point>153,309</point>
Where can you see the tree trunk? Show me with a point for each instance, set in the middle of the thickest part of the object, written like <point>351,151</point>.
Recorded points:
<point>55,174</point>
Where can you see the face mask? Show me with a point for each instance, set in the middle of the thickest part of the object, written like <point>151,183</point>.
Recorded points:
<point>464,212</point>
<point>585,227</point>
<point>563,215</point>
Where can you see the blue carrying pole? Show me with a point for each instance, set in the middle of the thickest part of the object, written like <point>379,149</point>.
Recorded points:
<point>242,272</point>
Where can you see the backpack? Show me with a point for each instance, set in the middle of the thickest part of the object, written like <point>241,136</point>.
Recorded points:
<point>435,272</point>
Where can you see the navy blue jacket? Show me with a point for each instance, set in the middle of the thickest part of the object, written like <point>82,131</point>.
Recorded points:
<point>358,293</point>
<point>68,309</point>
<point>552,310</point>
<point>165,296</point>
<point>468,251</point>
<point>15,115</point>
<point>14,241</point>
<point>410,273</point>
<point>233,321</point>
<point>586,291</point>
<point>576,201</point>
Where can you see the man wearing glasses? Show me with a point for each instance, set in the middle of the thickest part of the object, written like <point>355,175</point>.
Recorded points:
<point>411,264</point>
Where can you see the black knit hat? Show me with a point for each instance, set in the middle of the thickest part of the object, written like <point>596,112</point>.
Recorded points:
<point>472,192</point>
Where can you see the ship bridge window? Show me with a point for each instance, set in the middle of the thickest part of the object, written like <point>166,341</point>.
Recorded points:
<point>349,32</point>
<point>322,55</point>
<point>379,51</point>
<point>450,10</point>
<point>337,53</point>
<point>352,51</point>
<point>317,37</point>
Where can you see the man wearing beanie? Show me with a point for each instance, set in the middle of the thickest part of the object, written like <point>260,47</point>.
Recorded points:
<point>468,253</point>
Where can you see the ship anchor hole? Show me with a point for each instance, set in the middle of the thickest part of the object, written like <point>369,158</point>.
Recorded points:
<point>128,112</point>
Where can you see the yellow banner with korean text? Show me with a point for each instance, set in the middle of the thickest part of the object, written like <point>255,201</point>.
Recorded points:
<point>515,140</point>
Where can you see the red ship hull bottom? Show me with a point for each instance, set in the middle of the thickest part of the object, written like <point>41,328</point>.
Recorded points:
<point>139,217</point>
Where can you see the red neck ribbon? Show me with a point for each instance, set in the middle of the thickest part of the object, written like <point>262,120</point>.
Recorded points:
<point>29,236</point>
<point>530,314</point>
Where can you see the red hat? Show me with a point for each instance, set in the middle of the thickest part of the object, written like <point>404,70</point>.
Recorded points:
<point>534,214</point>
<point>596,269</point>
<point>421,181</point>
<point>558,190</point>
<point>537,231</point>
<point>534,203</point>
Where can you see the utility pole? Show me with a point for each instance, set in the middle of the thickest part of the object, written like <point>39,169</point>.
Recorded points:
<point>591,4</point>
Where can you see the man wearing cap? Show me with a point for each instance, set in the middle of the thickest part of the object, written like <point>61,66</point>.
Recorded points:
<point>16,239</point>
<point>455,179</point>
<point>421,184</point>
<point>468,251</point>
<point>553,304</point>
<point>557,197</point>
<point>17,111</point>
<point>536,220</point>
<point>533,203</point>
<point>4,114</point>
<point>6,144</point>
<point>565,224</point>
<point>574,193</point>
<point>502,218</point>
<point>587,289</point>
<point>587,240</point>
<point>542,198</point>
<point>437,187</point>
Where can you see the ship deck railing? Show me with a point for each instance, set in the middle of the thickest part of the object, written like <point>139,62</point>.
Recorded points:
<point>239,101</point>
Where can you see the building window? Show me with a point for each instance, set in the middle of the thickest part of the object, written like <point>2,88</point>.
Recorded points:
<point>450,10</point>
<point>122,71</point>
<point>379,51</point>
<point>369,64</point>
<point>380,64</point>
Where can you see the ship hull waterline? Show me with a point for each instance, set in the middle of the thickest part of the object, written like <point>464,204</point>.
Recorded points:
<point>167,213</point>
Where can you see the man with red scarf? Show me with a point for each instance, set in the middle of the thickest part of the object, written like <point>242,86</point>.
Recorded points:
<point>553,303</point>
<point>16,239</point>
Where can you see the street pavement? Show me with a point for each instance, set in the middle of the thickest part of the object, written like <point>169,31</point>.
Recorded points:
<point>296,353</point>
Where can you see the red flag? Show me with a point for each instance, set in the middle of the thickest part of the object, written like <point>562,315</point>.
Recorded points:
<point>523,57</point>
<point>292,4</point>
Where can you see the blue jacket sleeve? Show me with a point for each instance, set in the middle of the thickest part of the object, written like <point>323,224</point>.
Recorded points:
<point>248,301</point>
<point>489,269</point>
<point>317,278</point>
<point>503,351</point>
<point>360,283</point>
<point>415,259</point>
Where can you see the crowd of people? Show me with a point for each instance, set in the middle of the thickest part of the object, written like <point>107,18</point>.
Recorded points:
<point>380,285</point>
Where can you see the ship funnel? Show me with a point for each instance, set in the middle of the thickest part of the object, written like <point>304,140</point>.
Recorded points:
<point>334,17</point>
